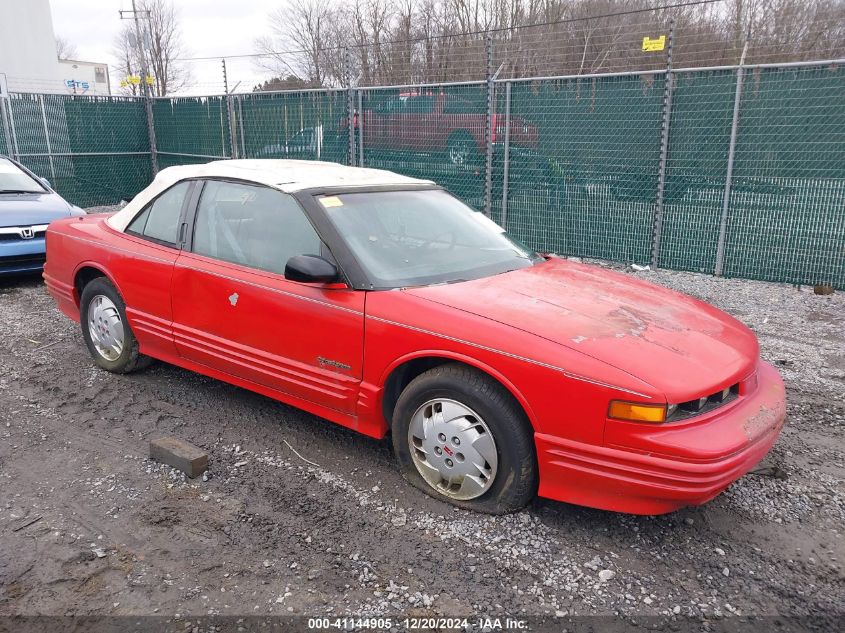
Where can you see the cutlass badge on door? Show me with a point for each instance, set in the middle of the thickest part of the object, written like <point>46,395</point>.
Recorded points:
<point>328,362</point>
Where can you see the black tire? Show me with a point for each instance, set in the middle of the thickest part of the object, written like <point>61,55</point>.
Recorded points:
<point>515,482</point>
<point>462,143</point>
<point>130,358</point>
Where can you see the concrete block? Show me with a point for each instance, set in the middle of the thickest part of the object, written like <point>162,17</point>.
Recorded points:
<point>190,459</point>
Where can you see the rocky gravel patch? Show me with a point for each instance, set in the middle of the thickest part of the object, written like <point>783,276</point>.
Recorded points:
<point>298,516</point>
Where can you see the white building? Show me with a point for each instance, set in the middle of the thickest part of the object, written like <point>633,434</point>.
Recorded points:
<point>85,77</point>
<point>28,54</point>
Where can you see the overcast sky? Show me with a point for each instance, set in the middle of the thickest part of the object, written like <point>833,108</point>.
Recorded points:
<point>209,28</point>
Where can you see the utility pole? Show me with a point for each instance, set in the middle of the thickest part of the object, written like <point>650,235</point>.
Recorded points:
<point>148,101</point>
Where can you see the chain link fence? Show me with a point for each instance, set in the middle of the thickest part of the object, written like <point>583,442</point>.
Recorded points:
<point>733,170</point>
<point>94,150</point>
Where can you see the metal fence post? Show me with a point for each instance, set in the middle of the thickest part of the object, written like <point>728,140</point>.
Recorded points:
<point>726,199</point>
<point>668,89</point>
<point>360,128</point>
<point>241,126</point>
<point>230,114</point>
<point>506,156</point>
<point>14,147</point>
<point>47,139</point>
<point>488,132</point>
<point>350,106</point>
<point>233,126</point>
<point>7,135</point>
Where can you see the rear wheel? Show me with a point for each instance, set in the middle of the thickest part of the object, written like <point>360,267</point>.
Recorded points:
<point>462,149</point>
<point>106,331</point>
<point>460,437</point>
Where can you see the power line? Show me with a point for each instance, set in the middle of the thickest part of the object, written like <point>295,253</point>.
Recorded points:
<point>458,35</point>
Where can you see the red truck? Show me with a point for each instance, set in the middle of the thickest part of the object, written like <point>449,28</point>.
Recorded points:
<point>437,122</point>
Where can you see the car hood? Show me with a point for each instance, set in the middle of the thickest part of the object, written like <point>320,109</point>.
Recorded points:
<point>679,345</point>
<point>25,209</point>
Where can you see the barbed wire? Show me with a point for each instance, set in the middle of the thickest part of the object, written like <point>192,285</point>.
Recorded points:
<point>604,43</point>
<point>457,35</point>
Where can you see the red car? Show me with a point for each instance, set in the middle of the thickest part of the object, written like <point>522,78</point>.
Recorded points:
<point>384,304</point>
<point>437,122</point>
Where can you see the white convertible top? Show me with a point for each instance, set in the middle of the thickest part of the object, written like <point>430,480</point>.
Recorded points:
<point>286,175</point>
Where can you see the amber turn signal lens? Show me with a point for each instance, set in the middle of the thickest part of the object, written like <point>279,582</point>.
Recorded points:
<point>636,412</point>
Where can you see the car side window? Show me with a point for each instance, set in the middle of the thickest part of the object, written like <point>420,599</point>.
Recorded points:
<point>456,105</point>
<point>422,104</point>
<point>389,105</point>
<point>252,225</point>
<point>159,220</point>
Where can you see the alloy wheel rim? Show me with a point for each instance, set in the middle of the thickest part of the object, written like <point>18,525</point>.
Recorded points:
<point>453,449</point>
<point>459,153</point>
<point>105,327</point>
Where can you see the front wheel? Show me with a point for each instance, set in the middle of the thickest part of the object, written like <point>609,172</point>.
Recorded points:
<point>460,437</point>
<point>102,315</point>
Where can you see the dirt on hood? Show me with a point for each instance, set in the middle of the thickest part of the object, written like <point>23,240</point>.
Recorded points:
<point>678,344</point>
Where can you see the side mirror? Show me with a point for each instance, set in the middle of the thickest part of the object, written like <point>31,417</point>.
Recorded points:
<point>46,183</point>
<point>310,269</point>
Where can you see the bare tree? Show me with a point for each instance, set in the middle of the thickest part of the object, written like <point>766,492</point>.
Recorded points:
<point>64,48</point>
<point>299,41</point>
<point>410,41</point>
<point>161,45</point>
<point>128,60</point>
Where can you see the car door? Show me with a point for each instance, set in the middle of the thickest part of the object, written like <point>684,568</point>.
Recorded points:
<point>376,128</point>
<point>234,311</point>
<point>417,126</point>
<point>143,268</point>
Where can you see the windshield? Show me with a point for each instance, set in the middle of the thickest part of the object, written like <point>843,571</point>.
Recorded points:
<point>13,180</point>
<point>415,238</point>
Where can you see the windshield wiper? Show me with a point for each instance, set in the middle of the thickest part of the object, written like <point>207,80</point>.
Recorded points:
<point>18,191</point>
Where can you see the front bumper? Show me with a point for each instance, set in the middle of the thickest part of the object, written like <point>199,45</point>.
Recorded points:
<point>22,256</point>
<point>656,482</point>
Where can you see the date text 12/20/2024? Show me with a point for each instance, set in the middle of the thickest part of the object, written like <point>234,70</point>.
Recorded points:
<point>426,624</point>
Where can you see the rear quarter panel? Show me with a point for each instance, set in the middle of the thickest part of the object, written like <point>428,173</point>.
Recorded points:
<point>140,271</point>
<point>64,255</point>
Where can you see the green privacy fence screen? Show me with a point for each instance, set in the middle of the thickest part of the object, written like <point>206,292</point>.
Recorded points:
<point>712,170</point>
<point>307,125</point>
<point>94,150</point>
<point>191,130</point>
<point>696,168</point>
<point>787,211</point>
<point>600,137</point>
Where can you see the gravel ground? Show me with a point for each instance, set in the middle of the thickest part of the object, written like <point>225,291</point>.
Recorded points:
<point>298,516</point>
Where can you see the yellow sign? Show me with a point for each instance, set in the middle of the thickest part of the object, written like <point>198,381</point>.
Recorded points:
<point>135,80</point>
<point>331,201</point>
<point>656,44</point>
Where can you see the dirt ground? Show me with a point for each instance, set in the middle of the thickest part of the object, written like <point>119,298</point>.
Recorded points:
<point>299,516</point>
